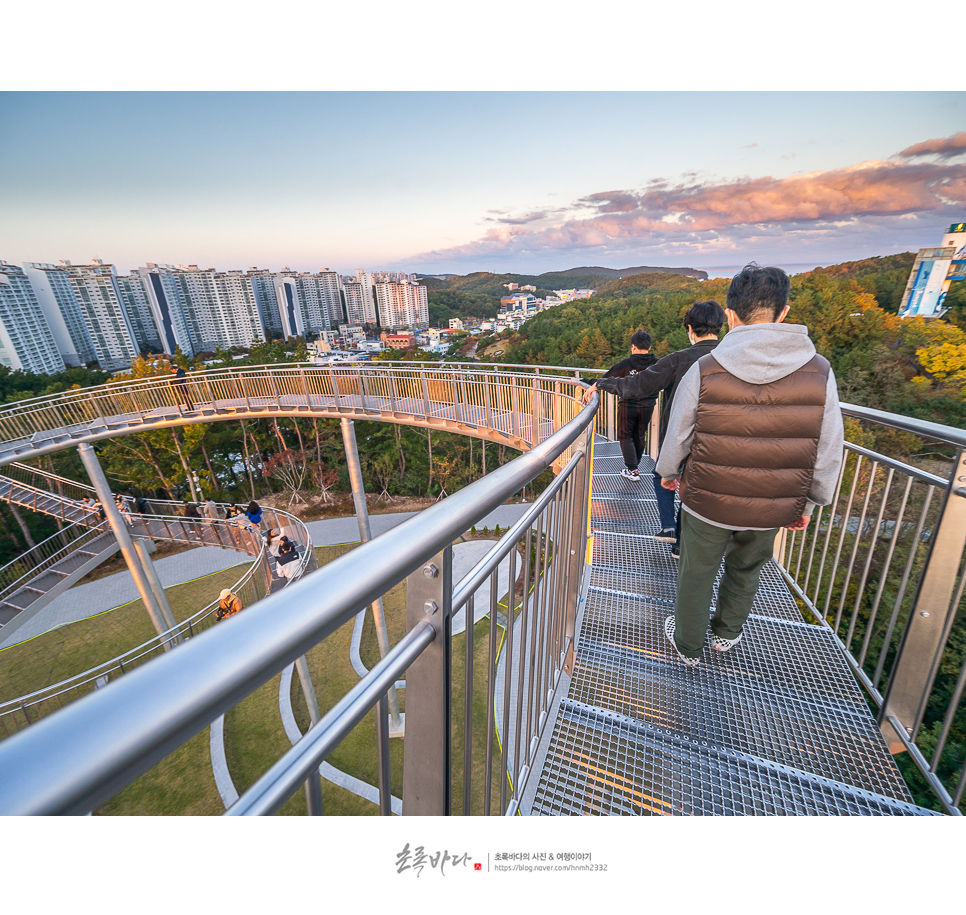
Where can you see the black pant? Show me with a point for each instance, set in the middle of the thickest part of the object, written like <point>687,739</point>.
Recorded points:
<point>633,417</point>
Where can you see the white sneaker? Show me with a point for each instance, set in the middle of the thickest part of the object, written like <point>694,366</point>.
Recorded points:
<point>669,632</point>
<point>630,474</point>
<point>720,643</point>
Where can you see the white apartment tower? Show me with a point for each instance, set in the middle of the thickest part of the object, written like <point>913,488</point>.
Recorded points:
<point>266,297</point>
<point>95,287</point>
<point>136,302</point>
<point>167,307</point>
<point>402,305</point>
<point>364,279</point>
<point>59,304</point>
<point>319,293</point>
<point>201,310</point>
<point>26,340</point>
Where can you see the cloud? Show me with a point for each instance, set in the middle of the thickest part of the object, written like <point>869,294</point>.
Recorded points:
<point>943,147</point>
<point>695,216</point>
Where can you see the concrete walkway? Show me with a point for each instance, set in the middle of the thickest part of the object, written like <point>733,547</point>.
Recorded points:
<point>92,598</point>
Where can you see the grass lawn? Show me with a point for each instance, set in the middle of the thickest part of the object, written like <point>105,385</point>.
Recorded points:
<point>182,783</point>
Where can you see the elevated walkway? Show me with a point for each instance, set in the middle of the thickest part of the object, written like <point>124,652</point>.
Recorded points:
<point>777,725</point>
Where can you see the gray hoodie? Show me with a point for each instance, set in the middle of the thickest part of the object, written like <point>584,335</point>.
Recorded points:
<point>758,354</point>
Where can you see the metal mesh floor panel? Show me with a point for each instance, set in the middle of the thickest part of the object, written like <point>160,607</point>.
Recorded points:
<point>777,725</point>
<point>611,463</point>
<point>641,565</point>
<point>600,765</point>
<point>631,512</point>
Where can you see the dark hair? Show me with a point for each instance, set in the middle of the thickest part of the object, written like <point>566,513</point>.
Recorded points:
<point>641,339</point>
<point>758,293</point>
<point>705,318</point>
<point>253,506</point>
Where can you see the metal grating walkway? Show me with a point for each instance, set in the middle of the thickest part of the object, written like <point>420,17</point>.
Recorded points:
<point>778,725</point>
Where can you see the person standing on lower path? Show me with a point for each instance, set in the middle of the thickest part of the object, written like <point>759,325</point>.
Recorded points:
<point>228,605</point>
<point>634,413</point>
<point>754,442</point>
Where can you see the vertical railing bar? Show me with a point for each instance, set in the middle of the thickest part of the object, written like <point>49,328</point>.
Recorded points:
<point>859,531</point>
<point>844,530</point>
<point>526,672</point>
<point>514,407</point>
<point>886,566</point>
<point>828,535</point>
<point>536,656</point>
<point>490,694</point>
<point>900,596</point>
<point>469,612</point>
<point>382,741</point>
<point>507,677</point>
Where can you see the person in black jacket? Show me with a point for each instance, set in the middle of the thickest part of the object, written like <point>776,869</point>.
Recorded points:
<point>703,321</point>
<point>634,413</point>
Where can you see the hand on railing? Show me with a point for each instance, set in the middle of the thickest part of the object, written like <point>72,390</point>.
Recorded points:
<point>588,394</point>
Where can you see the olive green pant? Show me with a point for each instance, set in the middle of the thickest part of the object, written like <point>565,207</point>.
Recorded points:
<point>703,546</point>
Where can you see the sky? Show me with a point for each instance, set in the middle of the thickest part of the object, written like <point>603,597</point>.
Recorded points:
<point>455,182</point>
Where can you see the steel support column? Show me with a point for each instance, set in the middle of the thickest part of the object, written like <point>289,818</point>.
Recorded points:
<point>144,555</point>
<point>123,535</point>
<point>365,535</point>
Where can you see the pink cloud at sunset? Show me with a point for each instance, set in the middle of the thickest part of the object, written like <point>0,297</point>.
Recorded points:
<point>691,218</point>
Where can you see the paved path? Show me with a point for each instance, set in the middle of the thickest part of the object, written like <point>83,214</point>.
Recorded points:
<point>92,598</point>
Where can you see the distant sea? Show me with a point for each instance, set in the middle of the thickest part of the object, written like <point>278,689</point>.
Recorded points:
<point>730,271</point>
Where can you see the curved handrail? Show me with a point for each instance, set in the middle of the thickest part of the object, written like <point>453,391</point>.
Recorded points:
<point>123,730</point>
<point>508,407</point>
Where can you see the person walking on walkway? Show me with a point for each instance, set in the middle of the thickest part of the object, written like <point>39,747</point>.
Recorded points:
<point>179,385</point>
<point>754,443</point>
<point>703,322</point>
<point>634,413</point>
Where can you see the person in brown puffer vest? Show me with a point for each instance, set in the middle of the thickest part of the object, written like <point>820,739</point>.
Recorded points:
<point>754,442</point>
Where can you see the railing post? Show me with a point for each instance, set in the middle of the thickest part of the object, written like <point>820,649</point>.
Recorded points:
<point>425,387</point>
<point>920,650</point>
<point>535,413</point>
<point>578,539</point>
<point>427,764</point>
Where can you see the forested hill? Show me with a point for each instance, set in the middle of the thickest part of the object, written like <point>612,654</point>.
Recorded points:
<point>478,294</point>
<point>906,366</point>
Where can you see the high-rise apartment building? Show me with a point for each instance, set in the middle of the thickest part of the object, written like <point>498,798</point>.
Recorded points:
<point>136,302</point>
<point>364,279</point>
<point>319,293</point>
<point>402,305</point>
<point>26,340</point>
<point>54,292</point>
<point>95,287</point>
<point>201,310</point>
<point>168,309</point>
<point>266,297</point>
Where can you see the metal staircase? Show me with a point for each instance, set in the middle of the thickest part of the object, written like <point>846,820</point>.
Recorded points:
<point>778,725</point>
